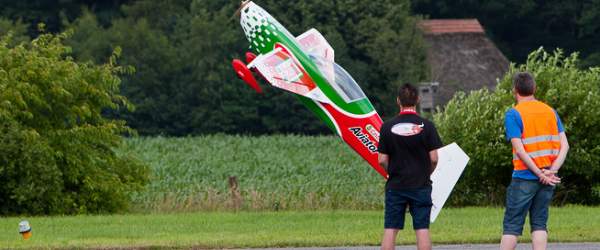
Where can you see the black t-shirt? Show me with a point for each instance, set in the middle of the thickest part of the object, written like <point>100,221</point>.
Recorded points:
<point>407,139</point>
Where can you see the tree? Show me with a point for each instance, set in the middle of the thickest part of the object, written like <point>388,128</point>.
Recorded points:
<point>182,51</point>
<point>18,31</point>
<point>57,150</point>
<point>475,122</point>
<point>54,13</point>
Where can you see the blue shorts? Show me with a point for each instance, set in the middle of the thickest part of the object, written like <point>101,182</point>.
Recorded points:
<point>419,202</point>
<point>524,196</point>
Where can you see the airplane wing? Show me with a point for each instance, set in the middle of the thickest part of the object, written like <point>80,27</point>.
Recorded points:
<point>451,163</point>
<point>313,43</point>
<point>282,71</point>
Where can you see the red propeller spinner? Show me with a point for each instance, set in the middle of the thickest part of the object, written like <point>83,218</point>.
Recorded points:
<point>250,57</point>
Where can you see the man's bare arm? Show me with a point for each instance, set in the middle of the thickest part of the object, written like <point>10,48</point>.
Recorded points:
<point>433,155</point>
<point>520,149</point>
<point>384,161</point>
<point>562,153</point>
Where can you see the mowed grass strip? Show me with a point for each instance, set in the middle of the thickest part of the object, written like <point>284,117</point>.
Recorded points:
<point>279,229</point>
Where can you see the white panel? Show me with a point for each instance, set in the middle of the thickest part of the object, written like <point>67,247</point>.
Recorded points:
<point>451,163</point>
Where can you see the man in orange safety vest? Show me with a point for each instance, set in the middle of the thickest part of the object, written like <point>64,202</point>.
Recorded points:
<point>539,150</point>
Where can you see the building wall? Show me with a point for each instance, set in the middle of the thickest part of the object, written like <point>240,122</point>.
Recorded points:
<point>463,62</point>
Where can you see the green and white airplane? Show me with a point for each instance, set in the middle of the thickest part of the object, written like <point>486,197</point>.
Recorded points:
<point>305,66</point>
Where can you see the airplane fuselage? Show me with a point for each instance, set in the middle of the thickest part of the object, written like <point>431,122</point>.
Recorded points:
<point>344,108</point>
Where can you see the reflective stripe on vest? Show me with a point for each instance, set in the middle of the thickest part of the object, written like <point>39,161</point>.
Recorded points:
<point>540,134</point>
<point>539,153</point>
<point>541,138</point>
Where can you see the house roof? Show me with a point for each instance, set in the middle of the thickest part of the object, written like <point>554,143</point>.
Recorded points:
<point>445,26</point>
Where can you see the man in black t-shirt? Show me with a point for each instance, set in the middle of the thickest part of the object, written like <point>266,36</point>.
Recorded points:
<point>408,152</point>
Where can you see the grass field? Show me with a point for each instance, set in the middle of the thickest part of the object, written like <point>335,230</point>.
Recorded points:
<point>295,191</point>
<point>278,229</point>
<point>274,173</point>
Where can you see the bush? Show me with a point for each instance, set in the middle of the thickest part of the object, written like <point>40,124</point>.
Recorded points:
<point>56,148</point>
<point>476,123</point>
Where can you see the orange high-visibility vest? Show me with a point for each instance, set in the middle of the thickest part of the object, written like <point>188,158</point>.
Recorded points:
<point>540,134</point>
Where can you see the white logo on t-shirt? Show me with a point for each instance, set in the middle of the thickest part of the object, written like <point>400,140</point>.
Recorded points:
<point>407,129</point>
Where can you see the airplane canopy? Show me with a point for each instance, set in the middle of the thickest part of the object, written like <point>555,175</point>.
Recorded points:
<point>339,79</point>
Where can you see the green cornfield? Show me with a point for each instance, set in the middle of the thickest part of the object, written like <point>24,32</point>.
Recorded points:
<point>280,172</point>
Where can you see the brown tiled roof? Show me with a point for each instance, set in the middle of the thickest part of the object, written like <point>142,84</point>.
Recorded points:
<point>445,26</point>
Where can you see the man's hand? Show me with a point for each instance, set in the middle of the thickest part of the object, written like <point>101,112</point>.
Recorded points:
<point>384,161</point>
<point>549,172</point>
<point>548,177</point>
<point>433,155</point>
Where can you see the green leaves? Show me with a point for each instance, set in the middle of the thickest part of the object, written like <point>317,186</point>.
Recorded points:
<point>476,122</point>
<point>56,154</point>
<point>16,30</point>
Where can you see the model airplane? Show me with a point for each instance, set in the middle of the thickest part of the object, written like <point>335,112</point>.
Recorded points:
<point>305,66</point>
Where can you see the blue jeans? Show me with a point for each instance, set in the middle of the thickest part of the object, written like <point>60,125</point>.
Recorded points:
<point>419,202</point>
<point>524,196</point>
